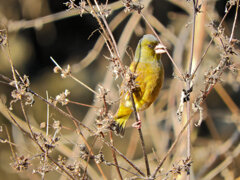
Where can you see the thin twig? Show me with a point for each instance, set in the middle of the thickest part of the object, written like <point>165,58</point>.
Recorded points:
<point>74,78</point>
<point>61,167</point>
<point>234,22</point>
<point>115,157</point>
<point>10,60</point>
<point>10,144</point>
<point>108,30</point>
<point>122,155</point>
<point>127,170</point>
<point>141,136</point>
<point>82,104</point>
<point>47,127</point>
<point>172,147</point>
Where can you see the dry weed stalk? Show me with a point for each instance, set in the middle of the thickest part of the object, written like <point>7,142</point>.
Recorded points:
<point>46,144</point>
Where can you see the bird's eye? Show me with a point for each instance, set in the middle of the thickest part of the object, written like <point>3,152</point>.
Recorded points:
<point>150,46</point>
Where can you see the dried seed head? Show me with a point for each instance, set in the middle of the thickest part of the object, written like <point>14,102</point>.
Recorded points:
<point>21,163</point>
<point>62,98</point>
<point>131,5</point>
<point>3,37</point>
<point>99,158</point>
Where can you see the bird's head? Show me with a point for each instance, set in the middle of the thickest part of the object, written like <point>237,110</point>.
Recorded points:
<point>149,48</point>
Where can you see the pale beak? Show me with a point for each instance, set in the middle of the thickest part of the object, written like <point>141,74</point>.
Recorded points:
<point>160,49</point>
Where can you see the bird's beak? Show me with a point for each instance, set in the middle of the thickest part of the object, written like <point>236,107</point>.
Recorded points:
<point>160,49</point>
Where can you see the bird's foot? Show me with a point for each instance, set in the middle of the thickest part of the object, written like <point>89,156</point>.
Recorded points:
<point>137,124</point>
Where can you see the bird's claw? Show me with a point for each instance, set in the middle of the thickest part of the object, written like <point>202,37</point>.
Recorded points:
<point>137,125</point>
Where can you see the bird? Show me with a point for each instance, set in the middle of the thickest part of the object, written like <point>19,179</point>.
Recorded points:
<point>149,71</point>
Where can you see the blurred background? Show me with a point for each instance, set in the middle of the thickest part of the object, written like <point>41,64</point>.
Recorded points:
<point>75,40</point>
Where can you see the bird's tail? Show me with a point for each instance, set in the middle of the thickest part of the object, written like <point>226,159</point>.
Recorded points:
<point>121,118</point>
<point>120,124</point>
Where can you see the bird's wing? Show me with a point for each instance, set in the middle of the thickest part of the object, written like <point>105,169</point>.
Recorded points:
<point>141,84</point>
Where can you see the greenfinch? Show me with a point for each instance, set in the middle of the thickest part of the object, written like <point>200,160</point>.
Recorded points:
<point>149,72</point>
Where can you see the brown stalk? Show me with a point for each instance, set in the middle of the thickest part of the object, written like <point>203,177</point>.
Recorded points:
<point>115,157</point>
<point>141,137</point>
<point>188,82</point>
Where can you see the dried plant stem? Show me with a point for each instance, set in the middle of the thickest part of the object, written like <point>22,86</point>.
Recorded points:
<point>209,44</point>
<point>98,46</point>
<point>223,165</point>
<point>232,106</point>
<point>88,147</point>
<point>83,84</point>
<point>30,128</point>
<point>91,153</point>
<point>105,32</point>
<point>10,61</point>
<point>108,30</point>
<point>188,82</point>
<point>111,140</point>
<point>221,150</point>
<point>88,129</point>
<point>61,111</point>
<point>124,157</point>
<point>141,137</point>
<point>47,126</point>
<point>10,144</point>
<point>40,147</point>
<point>41,21</point>
<point>234,22</point>
<point>171,148</point>
<point>195,4</point>
<point>109,36</point>
<point>62,168</point>
<point>184,127</point>
<point>91,131</point>
<point>82,104</point>
<point>115,157</point>
<point>74,78</point>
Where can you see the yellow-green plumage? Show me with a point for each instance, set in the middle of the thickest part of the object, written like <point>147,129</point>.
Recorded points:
<point>150,75</point>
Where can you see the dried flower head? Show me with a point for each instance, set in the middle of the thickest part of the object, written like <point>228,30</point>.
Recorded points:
<point>99,158</point>
<point>84,154</point>
<point>3,37</point>
<point>22,92</point>
<point>76,169</point>
<point>66,72</point>
<point>131,5</point>
<point>178,168</point>
<point>21,163</point>
<point>62,98</point>
<point>80,6</point>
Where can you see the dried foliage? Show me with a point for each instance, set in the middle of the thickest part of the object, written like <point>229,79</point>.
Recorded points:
<point>190,132</point>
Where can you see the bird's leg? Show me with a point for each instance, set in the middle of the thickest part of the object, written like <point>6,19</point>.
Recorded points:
<point>137,124</point>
